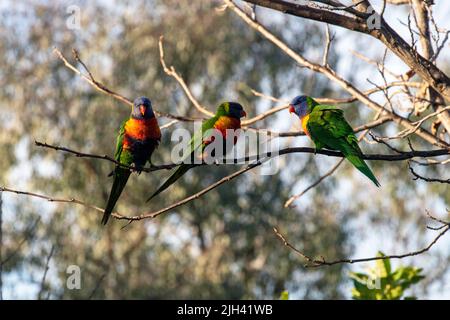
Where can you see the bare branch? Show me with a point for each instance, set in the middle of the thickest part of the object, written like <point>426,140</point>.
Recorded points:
<point>97,85</point>
<point>369,125</point>
<point>421,14</point>
<point>103,157</point>
<point>28,233</point>
<point>263,115</point>
<point>418,176</point>
<point>407,132</point>
<point>398,2</point>
<point>99,282</point>
<point>151,215</point>
<point>380,157</point>
<point>327,174</point>
<point>289,202</point>
<point>343,100</point>
<point>102,88</point>
<point>173,73</point>
<point>329,39</point>
<point>42,287</point>
<point>49,199</point>
<point>391,39</point>
<point>333,76</point>
<point>312,262</point>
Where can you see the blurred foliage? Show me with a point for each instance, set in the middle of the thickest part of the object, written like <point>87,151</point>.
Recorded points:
<point>383,283</point>
<point>219,246</point>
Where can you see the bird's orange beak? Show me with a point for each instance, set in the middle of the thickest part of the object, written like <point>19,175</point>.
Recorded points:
<point>142,108</point>
<point>291,108</point>
<point>243,113</point>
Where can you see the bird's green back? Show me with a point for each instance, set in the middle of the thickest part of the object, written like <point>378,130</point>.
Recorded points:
<point>327,125</point>
<point>197,140</point>
<point>328,128</point>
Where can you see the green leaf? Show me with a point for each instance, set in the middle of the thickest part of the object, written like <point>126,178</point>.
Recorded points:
<point>383,266</point>
<point>284,295</point>
<point>381,283</point>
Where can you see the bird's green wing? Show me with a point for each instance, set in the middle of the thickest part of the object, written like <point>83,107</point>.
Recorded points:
<point>120,174</point>
<point>195,143</point>
<point>327,126</point>
<point>197,140</point>
<point>119,143</point>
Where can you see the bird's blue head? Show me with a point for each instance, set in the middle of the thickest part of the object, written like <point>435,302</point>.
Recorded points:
<point>142,109</point>
<point>236,110</point>
<point>231,109</point>
<point>302,105</point>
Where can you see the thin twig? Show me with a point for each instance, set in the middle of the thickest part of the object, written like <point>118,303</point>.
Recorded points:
<point>369,125</point>
<point>28,232</point>
<point>332,75</point>
<point>50,199</point>
<point>102,88</point>
<point>173,73</point>
<point>103,157</point>
<point>327,174</point>
<point>289,202</point>
<point>312,262</point>
<point>151,215</point>
<point>97,285</point>
<point>46,268</point>
<point>97,85</point>
<point>262,158</point>
<point>322,100</point>
<point>417,125</point>
<point>329,39</point>
<point>264,115</point>
<point>402,155</point>
<point>418,176</point>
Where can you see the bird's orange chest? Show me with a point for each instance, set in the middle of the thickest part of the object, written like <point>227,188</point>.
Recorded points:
<point>304,122</point>
<point>225,122</point>
<point>143,129</point>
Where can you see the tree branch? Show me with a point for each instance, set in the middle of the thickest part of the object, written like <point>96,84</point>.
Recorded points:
<point>259,159</point>
<point>42,287</point>
<point>103,157</point>
<point>391,39</point>
<point>97,85</point>
<point>417,176</point>
<point>151,215</point>
<point>28,232</point>
<point>334,77</point>
<point>402,155</point>
<point>102,88</point>
<point>173,73</point>
<point>312,262</point>
<point>327,174</point>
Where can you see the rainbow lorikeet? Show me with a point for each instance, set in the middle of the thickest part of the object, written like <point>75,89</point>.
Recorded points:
<point>327,127</point>
<point>228,116</point>
<point>138,138</point>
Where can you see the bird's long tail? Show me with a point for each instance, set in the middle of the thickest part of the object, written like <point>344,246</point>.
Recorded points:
<point>182,169</point>
<point>121,176</point>
<point>359,163</point>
